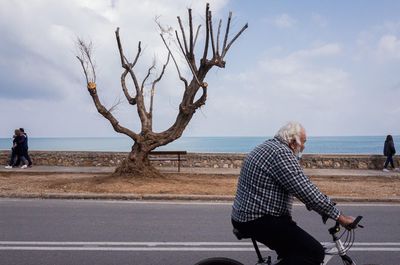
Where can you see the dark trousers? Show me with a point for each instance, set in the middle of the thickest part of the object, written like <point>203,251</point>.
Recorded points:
<point>13,157</point>
<point>293,245</point>
<point>25,156</point>
<point>389,159</point>
<point>17,156</point>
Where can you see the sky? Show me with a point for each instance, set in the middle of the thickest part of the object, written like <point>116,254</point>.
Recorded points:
<point>334,66</point>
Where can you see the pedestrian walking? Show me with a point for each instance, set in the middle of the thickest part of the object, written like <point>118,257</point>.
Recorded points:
<point>25,146</point>
<point>17,151</point>
<point>389,151</point>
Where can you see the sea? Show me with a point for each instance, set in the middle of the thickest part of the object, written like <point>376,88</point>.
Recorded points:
<point>314,145</point>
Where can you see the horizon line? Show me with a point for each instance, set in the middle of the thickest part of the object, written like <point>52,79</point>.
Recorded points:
<point>208,136</point>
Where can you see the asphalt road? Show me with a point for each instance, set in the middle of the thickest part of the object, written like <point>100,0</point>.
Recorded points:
<point>52,232</point>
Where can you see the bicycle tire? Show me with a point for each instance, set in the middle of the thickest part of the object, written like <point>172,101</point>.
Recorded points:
<point>218,261</point>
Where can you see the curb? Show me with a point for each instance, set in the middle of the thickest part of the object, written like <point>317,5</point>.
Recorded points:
<point>167,197</point>
<point>118,196</point>
<point>312,173</point>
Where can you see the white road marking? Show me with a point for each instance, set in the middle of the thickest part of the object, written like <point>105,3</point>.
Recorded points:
<point>154,244</point>
<point>340,204</point>
<point>214,249</point>
<point>168,246</point>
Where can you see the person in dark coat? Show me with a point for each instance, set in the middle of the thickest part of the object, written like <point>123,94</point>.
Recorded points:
<point>13,155</point>
<point>25,148</point>
<point>17,151</point>
<point>389,151</point>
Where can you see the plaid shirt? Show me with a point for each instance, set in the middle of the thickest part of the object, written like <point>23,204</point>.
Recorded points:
<point>271,175</point>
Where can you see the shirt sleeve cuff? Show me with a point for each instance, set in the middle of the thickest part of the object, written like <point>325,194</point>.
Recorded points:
<point>334,214</point>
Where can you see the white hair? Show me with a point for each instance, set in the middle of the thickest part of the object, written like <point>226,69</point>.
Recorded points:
<point>291,131</point>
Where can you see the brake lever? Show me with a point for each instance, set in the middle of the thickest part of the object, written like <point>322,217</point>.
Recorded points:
<point>355,224</point>
<point>324,219</point>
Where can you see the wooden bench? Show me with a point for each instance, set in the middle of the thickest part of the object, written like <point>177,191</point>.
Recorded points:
<point>168,156</point>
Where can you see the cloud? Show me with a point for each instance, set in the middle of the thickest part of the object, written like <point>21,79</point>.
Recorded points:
<point>42,79</point>
<point>324,50</point>
<point>270,78</point>
<point>319,20</point>
<point>301,74</point>
<point>379,43</point>
<point>389,47</point>
<point>297,60</point>
<point>301,85</point>
<point>284,21</point>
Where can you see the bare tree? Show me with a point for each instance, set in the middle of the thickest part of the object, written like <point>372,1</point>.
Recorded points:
<point>146,140</point>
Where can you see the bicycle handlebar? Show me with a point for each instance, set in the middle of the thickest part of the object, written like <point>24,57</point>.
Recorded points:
<point>355,224</point>
<point>351,226</point>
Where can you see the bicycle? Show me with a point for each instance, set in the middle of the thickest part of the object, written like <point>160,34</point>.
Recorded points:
<point>337,247</point>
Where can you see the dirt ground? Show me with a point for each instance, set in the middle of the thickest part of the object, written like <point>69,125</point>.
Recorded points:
<point>195,184</point>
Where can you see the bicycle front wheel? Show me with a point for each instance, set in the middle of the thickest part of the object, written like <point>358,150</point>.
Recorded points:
<point>219,261</point>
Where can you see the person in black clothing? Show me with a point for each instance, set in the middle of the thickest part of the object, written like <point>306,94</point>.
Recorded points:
<point>389,151</point>
<point>25,147</point>
<point>17,151</point>
<point>13,155</point>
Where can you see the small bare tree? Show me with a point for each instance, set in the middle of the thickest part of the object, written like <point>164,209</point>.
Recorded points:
<point>138,162</point>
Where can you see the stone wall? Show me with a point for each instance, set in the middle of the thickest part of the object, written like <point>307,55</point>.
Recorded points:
<point>207,160</point>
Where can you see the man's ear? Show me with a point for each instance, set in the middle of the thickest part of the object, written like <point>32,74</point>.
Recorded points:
<point>292,145</point>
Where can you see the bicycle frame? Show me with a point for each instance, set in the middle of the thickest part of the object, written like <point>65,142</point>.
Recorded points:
<point>338,247</point>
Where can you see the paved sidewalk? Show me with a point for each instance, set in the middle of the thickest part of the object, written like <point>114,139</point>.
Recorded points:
<point>199,170</point>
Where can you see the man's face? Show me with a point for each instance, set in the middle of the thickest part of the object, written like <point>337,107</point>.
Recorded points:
<point>298,148</point>
<point>303,139</point>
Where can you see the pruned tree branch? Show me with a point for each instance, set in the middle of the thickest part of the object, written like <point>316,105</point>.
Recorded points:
<point>233,40</point>
<point>85,59</point>
<point>203,61</point>
<point>183,35</point>
<point>84,68</point>
<point>115,105</point>
<point>187,59</point>
<point>131,100</point>
<point>154,85</point>
<point>128,69</point>
<point>110,117</point>
<point>121,52</point>
<point>228,24</point>
<point>218,33</point>
<point>147,76</point>
<point>137,54</point>
<point>176,65</point>
<point>212,34</point>
<point>191,44</point>
<point>86,62</point>
<point>202,100</point>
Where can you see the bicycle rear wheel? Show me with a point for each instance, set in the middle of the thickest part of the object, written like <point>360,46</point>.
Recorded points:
<point>219,261</point>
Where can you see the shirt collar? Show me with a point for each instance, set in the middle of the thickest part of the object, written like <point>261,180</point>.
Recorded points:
<point>283,142</point>
<point>277,137</point>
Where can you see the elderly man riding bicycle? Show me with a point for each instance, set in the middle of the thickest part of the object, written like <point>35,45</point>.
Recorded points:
<point>271,175</point>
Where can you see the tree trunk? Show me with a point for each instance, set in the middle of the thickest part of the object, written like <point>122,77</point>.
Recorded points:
<point>137,164</point>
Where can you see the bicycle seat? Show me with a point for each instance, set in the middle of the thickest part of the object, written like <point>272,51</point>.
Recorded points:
<point>240,235</point>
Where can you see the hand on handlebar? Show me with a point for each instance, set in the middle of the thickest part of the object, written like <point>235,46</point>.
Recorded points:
<point>349,222</point>
<point>345,220</point>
